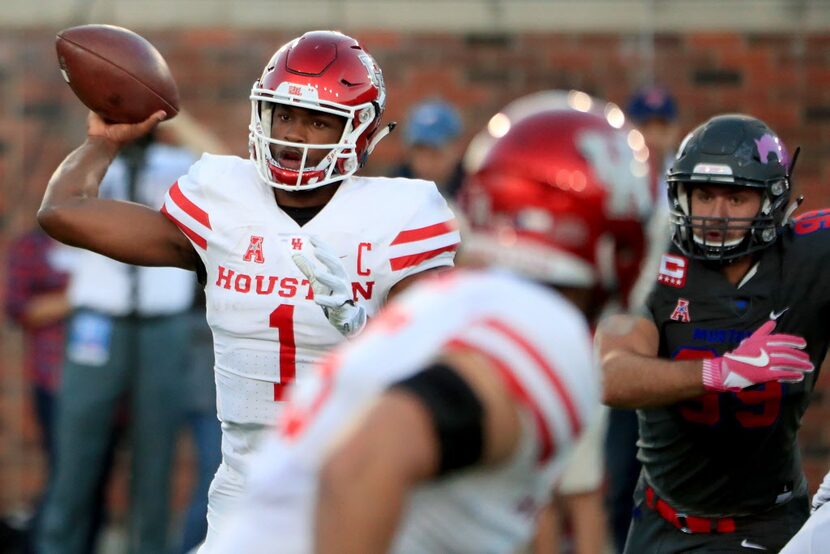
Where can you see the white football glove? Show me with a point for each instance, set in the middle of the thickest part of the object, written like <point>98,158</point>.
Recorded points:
<point>822,495</point>
<point>332,289</point>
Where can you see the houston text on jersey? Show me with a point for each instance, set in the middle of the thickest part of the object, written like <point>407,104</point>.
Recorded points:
<point>286,287</point>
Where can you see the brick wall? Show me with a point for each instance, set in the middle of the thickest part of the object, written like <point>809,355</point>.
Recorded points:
<point>782,78</point>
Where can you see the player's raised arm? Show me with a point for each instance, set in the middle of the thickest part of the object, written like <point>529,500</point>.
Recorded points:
<point>634,377</point>
<point>455,414</point>
<point>72,213</point>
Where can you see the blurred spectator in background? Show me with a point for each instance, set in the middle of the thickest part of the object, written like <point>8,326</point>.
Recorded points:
<point>38,274</point>
<point>204,425</point>
<point>127,340</point>
<point>432,138</point>
<point>37,277</point>
<point>653,110</point>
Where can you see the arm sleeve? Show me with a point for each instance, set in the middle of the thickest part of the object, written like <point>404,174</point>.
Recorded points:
<point>186,205</point>
<point>429,239</point>
<point>456,412</point>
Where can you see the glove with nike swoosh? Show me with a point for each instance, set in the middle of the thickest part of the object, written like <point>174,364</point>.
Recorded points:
<point>759,358</point>
<point>332,289</point>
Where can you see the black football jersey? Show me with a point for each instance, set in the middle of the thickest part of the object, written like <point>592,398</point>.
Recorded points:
<point>736,453</point>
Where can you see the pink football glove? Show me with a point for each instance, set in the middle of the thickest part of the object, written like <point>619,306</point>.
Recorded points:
<point>760,358</point>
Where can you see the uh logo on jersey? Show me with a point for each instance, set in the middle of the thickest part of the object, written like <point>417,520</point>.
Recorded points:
<point>288,286</point>
<point>254,251</point>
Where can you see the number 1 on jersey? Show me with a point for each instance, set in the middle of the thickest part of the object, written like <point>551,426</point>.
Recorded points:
<point>282,319</point>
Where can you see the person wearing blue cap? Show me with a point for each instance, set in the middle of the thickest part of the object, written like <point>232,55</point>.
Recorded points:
<point>653,110</point>
<point>433,148</point>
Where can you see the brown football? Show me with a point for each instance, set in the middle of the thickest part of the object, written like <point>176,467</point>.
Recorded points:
<point>116,73</point>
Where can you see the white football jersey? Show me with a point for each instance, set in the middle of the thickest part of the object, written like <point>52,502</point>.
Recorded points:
<point>535,338</point>
<point>814,536</point>
<point>267,330</point>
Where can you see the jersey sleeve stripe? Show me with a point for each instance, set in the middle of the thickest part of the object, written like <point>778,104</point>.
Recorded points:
<point>411,248</point>
<point>403,262</point>
<point>430,231</point>
<point>547,370</point>
<point>190,233</point>
<point>543,430</point>
<point>189,207</point>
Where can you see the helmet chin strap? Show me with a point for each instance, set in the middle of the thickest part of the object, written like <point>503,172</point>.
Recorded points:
<point>380,135</point>
<point>791,209</point>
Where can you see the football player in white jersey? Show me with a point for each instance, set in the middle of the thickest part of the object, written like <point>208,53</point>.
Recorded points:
<point>814,536</point>
<point>295,250</point>
<point>444,426</point>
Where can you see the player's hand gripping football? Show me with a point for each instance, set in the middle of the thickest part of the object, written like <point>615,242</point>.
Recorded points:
<point>332,289</point>
<point>759,358</point>
<point>121,133</point>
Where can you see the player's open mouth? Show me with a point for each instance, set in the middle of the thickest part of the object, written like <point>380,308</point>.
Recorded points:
<point>289,158</point>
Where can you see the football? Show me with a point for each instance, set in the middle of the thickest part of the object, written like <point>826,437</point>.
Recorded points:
<point>116,73</point>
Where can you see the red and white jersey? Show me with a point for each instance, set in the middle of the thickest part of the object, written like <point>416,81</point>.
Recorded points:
<point>535,338</point>
<point>267,330</point>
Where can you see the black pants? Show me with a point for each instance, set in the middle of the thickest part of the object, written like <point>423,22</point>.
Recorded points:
<point>651,534</point>
<point>623,469</point>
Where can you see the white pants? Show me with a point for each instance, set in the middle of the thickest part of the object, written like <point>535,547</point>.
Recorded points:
<point>276,512</point>
<point>814,536</point>
<point>239,441</point>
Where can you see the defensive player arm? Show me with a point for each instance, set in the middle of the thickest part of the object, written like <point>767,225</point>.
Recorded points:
<point>633,375</point>
<point>366,479</point>
<point>72,213</point>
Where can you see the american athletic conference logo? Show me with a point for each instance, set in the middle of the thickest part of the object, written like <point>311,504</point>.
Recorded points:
<point>672,271</point>
<point>681,311</point>
<point>254,251</point>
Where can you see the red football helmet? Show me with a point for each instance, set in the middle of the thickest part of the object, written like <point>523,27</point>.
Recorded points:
<point>329,72</point>
<point>557,190</point>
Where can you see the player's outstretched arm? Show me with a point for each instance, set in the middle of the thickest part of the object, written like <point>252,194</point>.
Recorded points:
<point>634,377</point>
<point>398,443</point>
<point>72,213</point>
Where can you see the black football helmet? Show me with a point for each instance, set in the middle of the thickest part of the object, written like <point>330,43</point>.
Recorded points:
<point>731,150</point>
